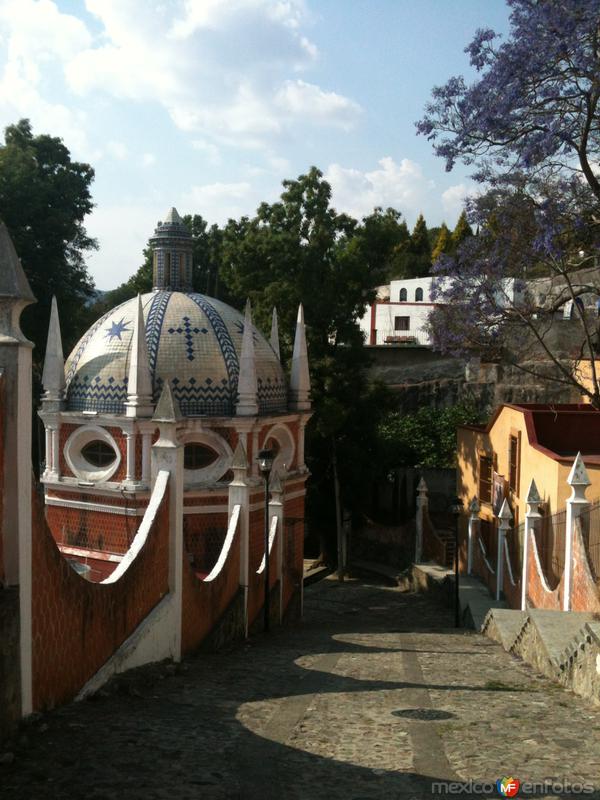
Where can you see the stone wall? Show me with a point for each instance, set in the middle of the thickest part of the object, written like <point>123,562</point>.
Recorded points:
<point>419,377</point>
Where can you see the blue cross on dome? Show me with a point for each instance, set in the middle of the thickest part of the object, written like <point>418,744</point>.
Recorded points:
<point>188,333</point>
<point>116,329</point>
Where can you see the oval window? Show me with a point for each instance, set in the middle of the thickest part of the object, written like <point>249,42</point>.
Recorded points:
<point>198,456</point>
<point>98,453</point>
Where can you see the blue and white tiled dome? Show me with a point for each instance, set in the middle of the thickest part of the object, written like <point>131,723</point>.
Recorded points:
<point>194,342</point>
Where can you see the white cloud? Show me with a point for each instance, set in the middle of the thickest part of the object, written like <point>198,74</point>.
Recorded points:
<point>148,159</point>
<point>117,149</point>
<point>37,37</point>
<point>307,100</point>
<point>209,150</point>
<point>220,69</point>
<point>402,186</point>
<point>217,202</point>
<point>453,199</point>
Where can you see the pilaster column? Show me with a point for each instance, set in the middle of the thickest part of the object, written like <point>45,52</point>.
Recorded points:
<point>504,518</point>
<point>146,449</point>
<point>473,530</point>
<point>130,459</point>
<point>532,520</point>
<point>239,495</point>
<point>167,454</point>
<point>422,504</point>
<point>301,436</point>
<point>276,510</point>
<point>578,480</point>
<point>15,385</point>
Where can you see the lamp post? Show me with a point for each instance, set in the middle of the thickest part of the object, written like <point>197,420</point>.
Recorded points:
<point>265,465</point>
<point>455,509</point>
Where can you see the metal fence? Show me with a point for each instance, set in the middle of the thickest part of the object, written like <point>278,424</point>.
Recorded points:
<point>550,539</point>
<point>590,529</point>
<point>489,537</point>
<point>514,540</point>
<point>416,338</point>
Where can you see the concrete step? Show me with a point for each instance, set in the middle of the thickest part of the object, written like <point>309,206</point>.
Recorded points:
<point>475,599</point>
<point>503,625</point>
<point>552,632</point>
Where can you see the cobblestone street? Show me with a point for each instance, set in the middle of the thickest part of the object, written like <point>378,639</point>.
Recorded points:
<point>374,696</point>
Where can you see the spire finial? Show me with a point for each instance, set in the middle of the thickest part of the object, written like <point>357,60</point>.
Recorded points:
<point>247,404</point>
<point>139,385</point>
<point>15,291</point>
<point>275,333</point>
<point>578,475</point>
<point>166,406</point>
<point>53,376</point>
<point>300,377</point>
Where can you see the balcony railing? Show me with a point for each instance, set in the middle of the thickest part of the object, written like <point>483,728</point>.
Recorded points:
<point>416,338</point>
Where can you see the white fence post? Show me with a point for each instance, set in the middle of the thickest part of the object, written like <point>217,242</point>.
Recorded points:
<point>578,480</point>
<point>504,518</point>
<point>239,494</point>
<point>472,532</point>
<point>276,510</point>
<point>167,454</point>
<point>532,519</point>
<point>422,504</point>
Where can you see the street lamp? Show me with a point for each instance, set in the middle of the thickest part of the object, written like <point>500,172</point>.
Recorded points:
<point>265,465</point>
<point>455,509</point>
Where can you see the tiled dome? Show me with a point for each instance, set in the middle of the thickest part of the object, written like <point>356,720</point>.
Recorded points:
<point>194,342</point>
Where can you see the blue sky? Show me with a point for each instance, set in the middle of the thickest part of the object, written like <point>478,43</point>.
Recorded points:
<point>209,104</point>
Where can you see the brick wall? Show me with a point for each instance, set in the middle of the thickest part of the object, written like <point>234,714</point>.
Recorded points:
<point>204,603</point>
<point>78,625</point>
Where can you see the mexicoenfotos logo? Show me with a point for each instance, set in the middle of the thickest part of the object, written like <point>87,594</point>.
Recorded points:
<point>508,787</point>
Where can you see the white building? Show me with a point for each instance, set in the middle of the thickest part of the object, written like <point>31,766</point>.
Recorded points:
<point>401,310</point>
<point>399,314</point>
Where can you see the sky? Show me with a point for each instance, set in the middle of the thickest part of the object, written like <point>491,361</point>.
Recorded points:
<point>207,105</point>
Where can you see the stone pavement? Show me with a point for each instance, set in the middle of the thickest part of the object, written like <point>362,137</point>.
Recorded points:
<point>374,696</point>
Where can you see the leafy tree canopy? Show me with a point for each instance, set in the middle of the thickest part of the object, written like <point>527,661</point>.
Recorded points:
<point>44,198</point>
<point>530,127</point>
<point>461,232</point>
<point>426,437</point>
<point>300,249</point>
<point>443,244</point>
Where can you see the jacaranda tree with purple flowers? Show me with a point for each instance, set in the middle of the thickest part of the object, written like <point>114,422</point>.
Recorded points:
<point>530,127</point>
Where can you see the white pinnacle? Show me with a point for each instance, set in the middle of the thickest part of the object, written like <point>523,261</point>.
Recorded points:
<point>300,377</point>
<point>247,404</point>
<point>139,385</point>
<point>53,376</point>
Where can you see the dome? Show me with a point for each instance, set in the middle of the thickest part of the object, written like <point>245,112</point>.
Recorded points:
<point>194,342</point>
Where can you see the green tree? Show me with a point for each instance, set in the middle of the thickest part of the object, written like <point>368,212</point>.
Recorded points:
<point>44,199</point>
<point>301,249</point>
<point>414,261</point>
<point>426,437</point>
<point>443,243</point>
<point>461,232</point>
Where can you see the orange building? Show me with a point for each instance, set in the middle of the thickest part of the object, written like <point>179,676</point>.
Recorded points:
<point>522,442</point>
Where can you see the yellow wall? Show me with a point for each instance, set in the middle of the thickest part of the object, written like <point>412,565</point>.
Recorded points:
<point>583,373</point>
<point>550,475</point>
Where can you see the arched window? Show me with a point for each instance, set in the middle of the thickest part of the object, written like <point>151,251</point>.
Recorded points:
<point>419,295</point>
<point>198,456</point>
<point>403,295</point>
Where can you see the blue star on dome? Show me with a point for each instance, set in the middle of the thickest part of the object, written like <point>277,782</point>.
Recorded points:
<point>116,329</point>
